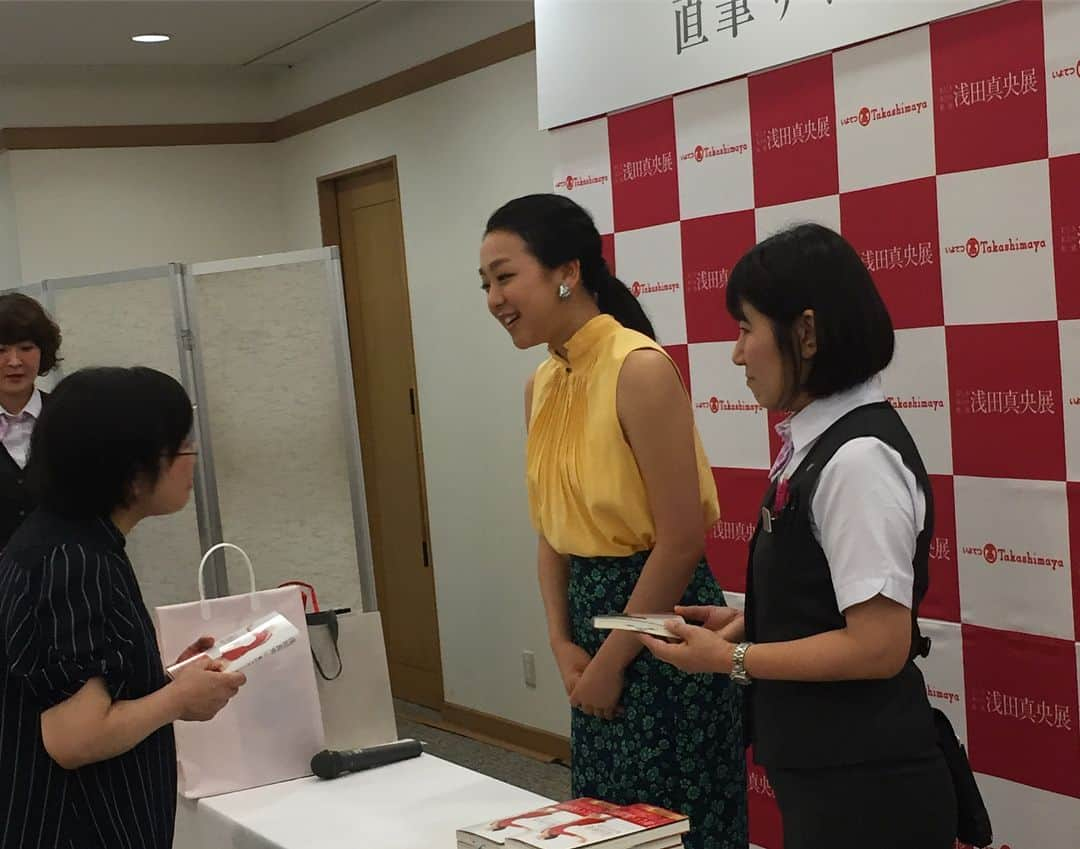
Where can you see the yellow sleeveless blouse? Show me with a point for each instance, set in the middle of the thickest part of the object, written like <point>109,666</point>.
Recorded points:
<point>586,494</point>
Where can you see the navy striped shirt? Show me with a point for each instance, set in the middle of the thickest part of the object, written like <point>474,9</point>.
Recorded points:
<point>71,610</point>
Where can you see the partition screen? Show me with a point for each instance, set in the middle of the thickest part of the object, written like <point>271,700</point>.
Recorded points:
<point>128,319</point>
<point>265,332</point>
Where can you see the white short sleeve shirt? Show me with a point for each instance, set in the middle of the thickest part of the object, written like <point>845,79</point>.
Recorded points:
<point>868,509</point>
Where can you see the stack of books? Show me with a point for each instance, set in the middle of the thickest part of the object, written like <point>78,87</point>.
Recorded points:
<point>580,823</point>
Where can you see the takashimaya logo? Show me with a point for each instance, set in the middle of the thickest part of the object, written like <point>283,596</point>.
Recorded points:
<point>707,151</point>
<point>1018,402</point>
<point>1034,711</point>
<point>708,280</point>
<point>867,115</point>
<point>910,255</point>
<point>944,695</point>
<point>717,405</point>
<point>801,132</point>
<point>1071,71</point>
<point>647,166</point>
<point>969,93</point>
<point>732,531</point>
<point>974,247</point>
<point>994,554</point>
<point>571,182</point>
<point>639,288</point>
<point>914,402</point>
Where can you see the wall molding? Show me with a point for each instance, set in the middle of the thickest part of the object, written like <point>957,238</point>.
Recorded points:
<point>134,135</point>
<point>508,44</point>
<point>525,739</point>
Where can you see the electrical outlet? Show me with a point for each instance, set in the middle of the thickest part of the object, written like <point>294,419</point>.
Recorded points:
<point>528,667</point>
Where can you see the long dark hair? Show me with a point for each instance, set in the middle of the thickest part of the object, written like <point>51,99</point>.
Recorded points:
<point>557,231</point>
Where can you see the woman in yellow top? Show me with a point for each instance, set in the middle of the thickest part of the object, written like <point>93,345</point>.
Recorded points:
<point>621,494</point>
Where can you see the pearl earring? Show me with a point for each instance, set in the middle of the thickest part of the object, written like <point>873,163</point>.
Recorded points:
<point>564,291</point>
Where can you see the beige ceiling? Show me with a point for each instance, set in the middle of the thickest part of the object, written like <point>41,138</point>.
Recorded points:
<point>44,34</point>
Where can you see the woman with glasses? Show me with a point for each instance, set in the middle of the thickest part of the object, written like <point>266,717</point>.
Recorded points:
<point>87,754</point>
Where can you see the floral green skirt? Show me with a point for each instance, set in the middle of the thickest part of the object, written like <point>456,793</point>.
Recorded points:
<point>679,742</point>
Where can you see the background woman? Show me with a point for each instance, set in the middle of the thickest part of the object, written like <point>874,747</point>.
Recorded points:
<point>29,349</point>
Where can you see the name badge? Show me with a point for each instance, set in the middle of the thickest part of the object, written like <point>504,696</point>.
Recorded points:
<point>766,520</point>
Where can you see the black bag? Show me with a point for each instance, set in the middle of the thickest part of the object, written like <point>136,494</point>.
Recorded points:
<point>972,821</point>
<point>329,619</point>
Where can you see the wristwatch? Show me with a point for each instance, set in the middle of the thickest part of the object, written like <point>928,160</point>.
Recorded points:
<point>738,664</point>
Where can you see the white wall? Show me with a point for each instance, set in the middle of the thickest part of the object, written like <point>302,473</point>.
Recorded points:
<point>392,37</point>
<point>86,211</point>
<point>61,97</point>
<point>382,40</point>
<point>10,270</point>
<point>463,148</point>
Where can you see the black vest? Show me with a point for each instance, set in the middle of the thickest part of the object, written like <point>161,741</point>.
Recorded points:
<point>16,502</point>
<point>789,595</point>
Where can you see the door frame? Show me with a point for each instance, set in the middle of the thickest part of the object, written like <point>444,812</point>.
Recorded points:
<point>326,189</point>
<point>330,224</point>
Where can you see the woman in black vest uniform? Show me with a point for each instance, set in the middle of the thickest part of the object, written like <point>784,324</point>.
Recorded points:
<point>838,712</point>
<point>29,346</point>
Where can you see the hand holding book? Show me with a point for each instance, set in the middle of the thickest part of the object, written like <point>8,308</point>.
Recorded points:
<point>653,624</point>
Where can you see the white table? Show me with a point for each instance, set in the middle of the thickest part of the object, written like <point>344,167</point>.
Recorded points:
<point>415,804</point>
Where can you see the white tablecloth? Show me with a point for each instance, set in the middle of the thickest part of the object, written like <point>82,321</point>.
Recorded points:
<point>415,804</point>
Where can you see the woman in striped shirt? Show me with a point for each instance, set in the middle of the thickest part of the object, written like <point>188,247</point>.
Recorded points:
<point>87,755</point>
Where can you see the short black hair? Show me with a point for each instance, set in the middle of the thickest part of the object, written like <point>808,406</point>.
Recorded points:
<point>22,319</point>
<point>810,267</point>
<point>101,430</point>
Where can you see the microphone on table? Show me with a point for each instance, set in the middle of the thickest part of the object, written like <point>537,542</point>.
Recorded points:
<point>330,764</point>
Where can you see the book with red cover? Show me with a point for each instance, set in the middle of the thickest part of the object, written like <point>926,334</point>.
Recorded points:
<point>496,832</point>
<point>607,827</point>
<point>579,823</point>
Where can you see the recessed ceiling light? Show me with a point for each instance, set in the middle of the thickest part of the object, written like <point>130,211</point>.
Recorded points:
<point>151,38</point>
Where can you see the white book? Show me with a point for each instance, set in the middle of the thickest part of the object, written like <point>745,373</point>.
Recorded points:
<point>579,823</point>
<point>662,843</point>
<point>240,649</point>
<point>642,623</point>
<point>607,826</point>
<point>495,832</point>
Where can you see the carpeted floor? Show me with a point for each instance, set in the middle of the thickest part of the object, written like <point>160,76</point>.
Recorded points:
<point>548,779</point>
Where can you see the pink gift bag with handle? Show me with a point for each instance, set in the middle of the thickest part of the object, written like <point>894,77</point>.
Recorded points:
<point>271,729</point>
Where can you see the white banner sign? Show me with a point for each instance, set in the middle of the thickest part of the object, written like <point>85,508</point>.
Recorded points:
<point>599,56</point>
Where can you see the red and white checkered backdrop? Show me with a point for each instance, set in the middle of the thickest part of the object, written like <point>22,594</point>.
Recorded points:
<point>949,155</point>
